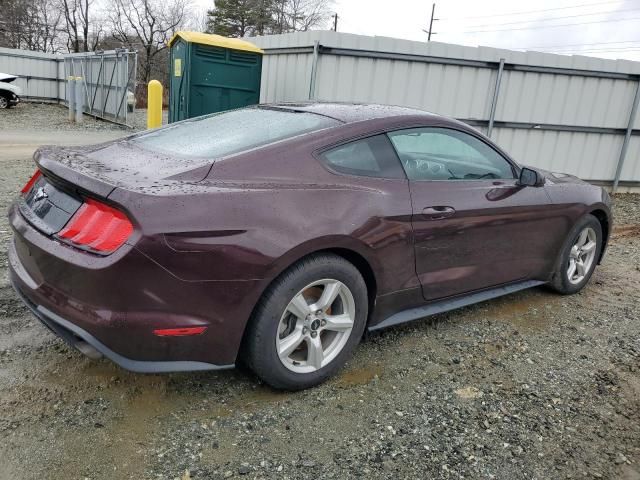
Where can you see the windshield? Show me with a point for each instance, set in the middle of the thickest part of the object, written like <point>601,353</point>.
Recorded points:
<point>225,133</point>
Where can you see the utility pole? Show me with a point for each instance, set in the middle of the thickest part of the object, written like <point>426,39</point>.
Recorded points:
<point>430,31</point>
<point>335,22</point>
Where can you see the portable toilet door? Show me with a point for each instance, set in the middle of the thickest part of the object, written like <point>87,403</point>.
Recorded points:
<point>211,73</point>
<point>178,84</point>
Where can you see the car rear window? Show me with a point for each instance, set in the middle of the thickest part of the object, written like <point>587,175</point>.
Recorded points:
<point>231,132</point>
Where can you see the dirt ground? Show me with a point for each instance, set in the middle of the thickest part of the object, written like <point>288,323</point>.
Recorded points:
<point>49,116</point>
<point>533,385</point>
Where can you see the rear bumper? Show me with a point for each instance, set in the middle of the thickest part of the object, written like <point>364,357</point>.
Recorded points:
<point>92,347</point>
<point>111,305</point>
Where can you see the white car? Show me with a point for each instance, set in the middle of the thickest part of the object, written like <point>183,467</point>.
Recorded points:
<point>131,101</point>
<point>9,94</point>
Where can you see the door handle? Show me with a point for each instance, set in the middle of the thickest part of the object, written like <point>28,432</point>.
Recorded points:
<point>438,212</point>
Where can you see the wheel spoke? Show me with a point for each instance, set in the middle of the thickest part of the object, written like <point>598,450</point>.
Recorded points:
<point>315,354</point>
<point>574,252</point>
<point>299,306</point>
<point>583,238</point>
<point>329,294</point>
<point>572,269</point>
<point>588,247</point>
<point>338,323</point>
<point>289,343</point>
<point>580,267</point>
<point>315,332</point>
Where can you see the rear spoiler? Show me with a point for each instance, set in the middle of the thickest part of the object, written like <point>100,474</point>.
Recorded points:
<point>71,172</point>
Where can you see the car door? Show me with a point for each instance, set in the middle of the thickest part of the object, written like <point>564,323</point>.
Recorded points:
<point>380,214</point>
<point>474,226</point>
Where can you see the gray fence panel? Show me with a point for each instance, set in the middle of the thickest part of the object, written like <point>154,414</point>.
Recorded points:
<point>563,113</point>
<point>43,77</point>
<point>107,77</point>
<point>38,72</point>
<point>561,151</point>
<point>631,168</point>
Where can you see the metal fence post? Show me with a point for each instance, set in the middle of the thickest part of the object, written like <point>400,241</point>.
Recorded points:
<point>627,137</point>
<point>314,70</point>
<point>494,101</point>
<point>79,99</point>
<point>71,97</point>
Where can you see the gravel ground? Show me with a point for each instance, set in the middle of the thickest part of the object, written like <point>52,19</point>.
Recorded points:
<point>532,385</point>
<point>47,116</point>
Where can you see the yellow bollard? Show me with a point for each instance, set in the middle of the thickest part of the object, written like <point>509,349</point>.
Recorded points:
<point>154,104</point>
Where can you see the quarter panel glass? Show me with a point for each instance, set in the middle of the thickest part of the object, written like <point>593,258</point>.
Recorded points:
<point>369,157</point>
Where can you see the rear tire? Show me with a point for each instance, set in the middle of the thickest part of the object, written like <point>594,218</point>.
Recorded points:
<point>579,256</point>
<point>307,323</point>
<point>4,101</point>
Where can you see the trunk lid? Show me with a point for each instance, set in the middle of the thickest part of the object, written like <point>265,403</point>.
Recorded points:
<point>100,169</point>
<point>48,206</point>
<point>69,174</point>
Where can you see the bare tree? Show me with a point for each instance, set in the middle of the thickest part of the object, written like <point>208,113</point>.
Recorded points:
<point>49,20</point>
<point>199,21</point>
<point>78,23</point>
<point>11,25</point>
<point>301,15</point>
<point>147,26</point>
<point>32,25</point>
<point>307,14</point>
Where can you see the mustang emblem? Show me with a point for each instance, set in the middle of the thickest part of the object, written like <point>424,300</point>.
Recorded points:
<point>40,194</point>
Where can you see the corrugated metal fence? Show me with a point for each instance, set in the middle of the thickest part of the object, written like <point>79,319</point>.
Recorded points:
<point>572,114</point>
<point>41,74</point>
<point>107,77</point>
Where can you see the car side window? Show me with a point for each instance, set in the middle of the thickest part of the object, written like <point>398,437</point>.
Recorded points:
<point>446,154</point>
<point>368,157</point>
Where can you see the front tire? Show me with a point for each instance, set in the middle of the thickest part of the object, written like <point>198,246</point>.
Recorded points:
<point>307,324</point>
<point>579,256</point>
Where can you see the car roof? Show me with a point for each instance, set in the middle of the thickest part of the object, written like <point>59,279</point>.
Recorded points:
<point>350,112</point>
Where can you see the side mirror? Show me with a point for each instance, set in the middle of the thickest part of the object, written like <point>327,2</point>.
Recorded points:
<point>530,178</point>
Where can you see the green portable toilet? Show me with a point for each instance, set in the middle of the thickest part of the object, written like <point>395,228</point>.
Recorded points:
<point>211,73</point>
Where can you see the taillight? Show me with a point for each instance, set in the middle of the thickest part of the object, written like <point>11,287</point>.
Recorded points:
<point>97,227</point>
<point>34,178</point>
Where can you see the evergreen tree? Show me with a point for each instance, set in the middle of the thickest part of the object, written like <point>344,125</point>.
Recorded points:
<point>239,18</point>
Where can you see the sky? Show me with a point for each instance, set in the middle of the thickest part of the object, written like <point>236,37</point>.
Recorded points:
<point>605,28</point>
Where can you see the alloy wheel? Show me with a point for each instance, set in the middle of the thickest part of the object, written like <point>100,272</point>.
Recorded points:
<point>4,103</point>
<point>582,255</point>
<point>315,326</point>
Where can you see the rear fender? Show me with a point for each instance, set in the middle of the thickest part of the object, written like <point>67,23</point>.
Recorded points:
<point>331,242</point>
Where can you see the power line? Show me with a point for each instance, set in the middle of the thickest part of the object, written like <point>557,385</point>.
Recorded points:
<point>576,51</point>
<point>552,18</point>
<point>539,11</point>
<point>569,51</point>
<point>628,49</point>
<point>576,44</point>
<point>553,26</point>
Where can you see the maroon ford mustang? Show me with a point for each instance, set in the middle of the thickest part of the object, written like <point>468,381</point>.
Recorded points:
<point>277,234</point>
